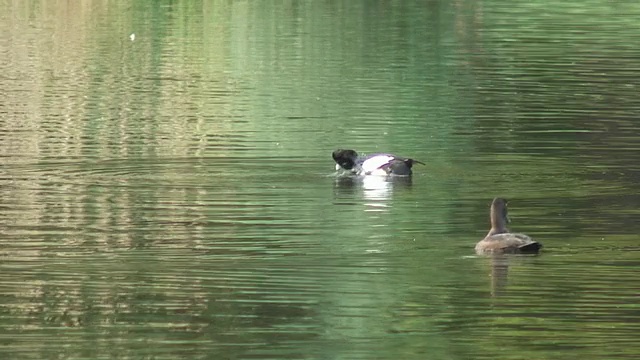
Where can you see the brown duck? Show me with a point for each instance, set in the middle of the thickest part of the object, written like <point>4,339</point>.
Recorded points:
<point>499,240</point>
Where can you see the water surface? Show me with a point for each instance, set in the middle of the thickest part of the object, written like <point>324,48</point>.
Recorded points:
<point>167,189</point>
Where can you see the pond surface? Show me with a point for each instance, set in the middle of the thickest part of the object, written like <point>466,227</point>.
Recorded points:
<point>167,188</point>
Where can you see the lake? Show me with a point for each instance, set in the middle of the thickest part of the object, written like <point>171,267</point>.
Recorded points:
<point>167,188</point>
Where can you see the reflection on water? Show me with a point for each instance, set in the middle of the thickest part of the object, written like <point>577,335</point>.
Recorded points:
<point>380,188</point>
<point>499,271</point>
<point>172,196</point>
<point>376,189</point>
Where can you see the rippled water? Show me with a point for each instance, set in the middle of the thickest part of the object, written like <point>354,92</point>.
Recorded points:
<point>167,190</point>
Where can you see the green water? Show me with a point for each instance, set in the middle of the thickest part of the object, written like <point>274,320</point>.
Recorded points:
<point>167,189</point>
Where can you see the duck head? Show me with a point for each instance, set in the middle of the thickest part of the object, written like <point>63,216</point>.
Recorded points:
<point>346,159</point>
<point>499,216</point>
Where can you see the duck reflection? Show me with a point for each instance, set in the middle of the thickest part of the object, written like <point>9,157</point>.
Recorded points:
<point>378,189</point>
<point>381,188</point>
<point>499,275</point>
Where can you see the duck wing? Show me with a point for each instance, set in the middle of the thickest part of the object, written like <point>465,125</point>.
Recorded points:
<point>400,166</point>
<point>510,242</point>
<point>375,162</point>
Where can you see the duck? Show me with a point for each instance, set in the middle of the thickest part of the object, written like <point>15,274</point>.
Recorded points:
<point>375,164</point>
<point>499,240</point>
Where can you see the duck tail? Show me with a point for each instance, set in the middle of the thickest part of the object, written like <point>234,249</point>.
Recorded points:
<point>410,162</point>
<point>531,248</point>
